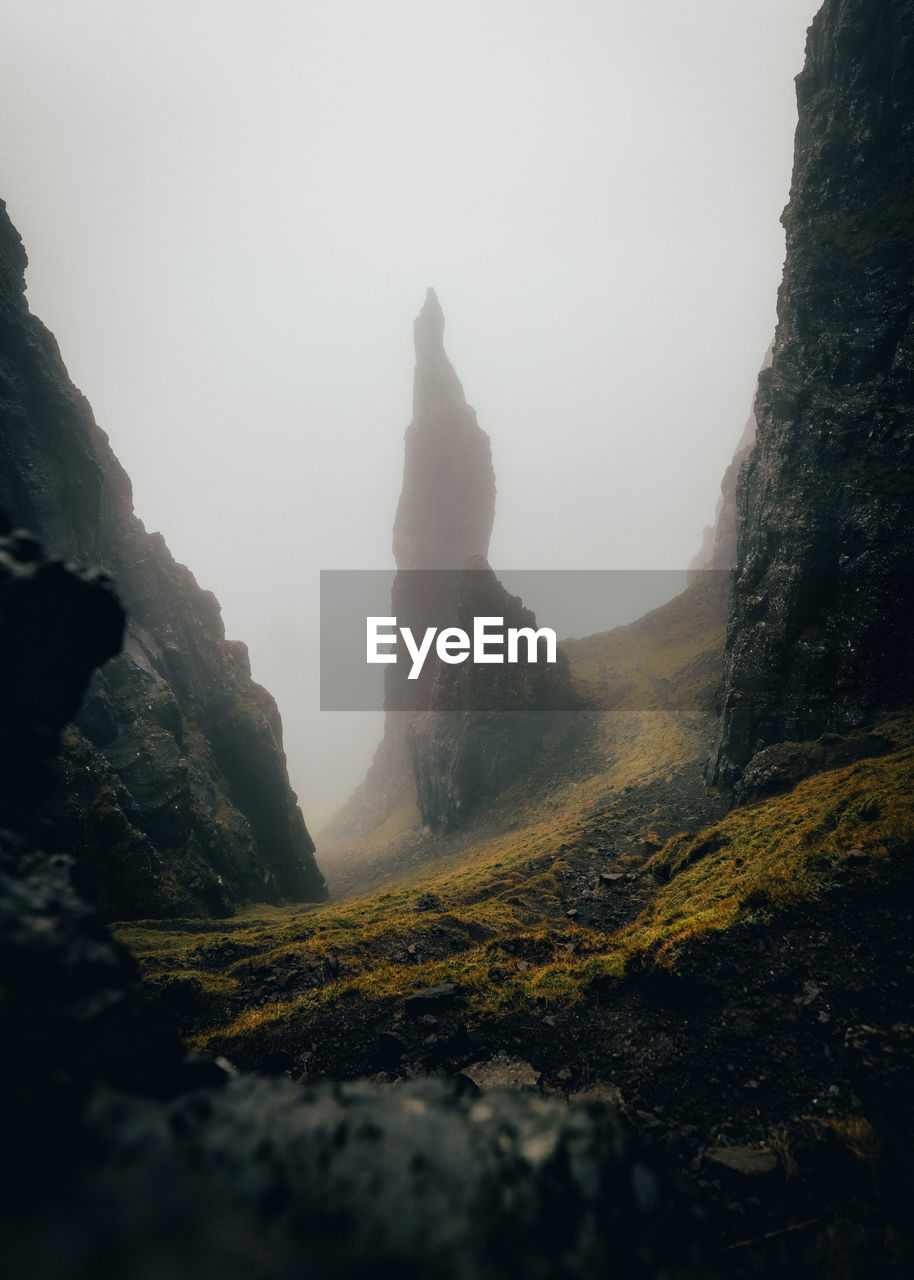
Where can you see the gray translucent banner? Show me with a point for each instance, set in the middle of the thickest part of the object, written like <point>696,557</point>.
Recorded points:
<point>442,672</point>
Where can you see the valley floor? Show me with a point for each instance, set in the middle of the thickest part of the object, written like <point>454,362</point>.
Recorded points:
<point>743,993</point>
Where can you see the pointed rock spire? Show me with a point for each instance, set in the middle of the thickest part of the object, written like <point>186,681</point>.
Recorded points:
<point>428,325</point>
<point>436,386</point>
<point>447,503</point>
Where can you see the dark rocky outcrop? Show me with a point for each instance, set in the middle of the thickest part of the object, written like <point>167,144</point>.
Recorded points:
<point>820,627</point>
<point>450,727</point>
<point>263,1180</point>
<point>72,1017</point>
<point>176,796</point>
<point>784,764</point>
<point>55,628</point>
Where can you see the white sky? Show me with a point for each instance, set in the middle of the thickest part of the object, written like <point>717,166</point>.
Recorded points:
<point>233,208</point>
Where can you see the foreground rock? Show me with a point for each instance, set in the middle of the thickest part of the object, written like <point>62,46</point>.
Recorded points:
<point>264,1179</point>
<point>72,1017</point>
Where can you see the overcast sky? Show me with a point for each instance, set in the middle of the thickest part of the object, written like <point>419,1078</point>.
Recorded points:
<point>233,208</point>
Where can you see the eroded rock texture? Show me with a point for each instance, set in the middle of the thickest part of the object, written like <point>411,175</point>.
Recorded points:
<point>176,796</point>
<point>820,626</point>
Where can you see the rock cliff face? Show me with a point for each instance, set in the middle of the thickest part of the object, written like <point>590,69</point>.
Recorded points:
<point>820,626</point>
<point>464,731</point>
<point>176,796</point>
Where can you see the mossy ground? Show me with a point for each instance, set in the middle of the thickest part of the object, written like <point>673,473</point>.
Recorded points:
<point>514,909</point>
<point>492,913</point>
<point>647,705</point>
<point>612,925</point>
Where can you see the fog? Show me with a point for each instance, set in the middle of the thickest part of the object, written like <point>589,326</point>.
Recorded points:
<point>233,209</point>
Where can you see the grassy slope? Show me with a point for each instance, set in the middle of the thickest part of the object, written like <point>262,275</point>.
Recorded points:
<point>648,692</point>
<point>608,793</point>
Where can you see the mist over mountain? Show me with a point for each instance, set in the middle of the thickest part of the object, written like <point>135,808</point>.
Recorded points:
<point>616,979</point>
<point>718,547</point>
<point>237,210</point>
